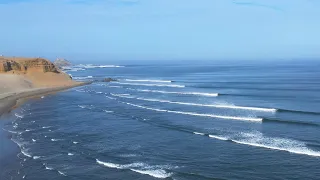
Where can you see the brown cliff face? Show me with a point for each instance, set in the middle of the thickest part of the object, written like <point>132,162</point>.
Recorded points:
<point>23,65</point>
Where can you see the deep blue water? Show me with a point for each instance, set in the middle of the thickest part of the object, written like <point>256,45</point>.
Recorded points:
<point>176,121</point>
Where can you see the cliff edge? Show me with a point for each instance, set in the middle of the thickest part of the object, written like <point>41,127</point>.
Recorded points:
<point>41,72</point>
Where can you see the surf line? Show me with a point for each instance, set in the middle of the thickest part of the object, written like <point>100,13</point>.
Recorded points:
<point>142,84</point>
<point>198,114</point>
<point>204,105</point>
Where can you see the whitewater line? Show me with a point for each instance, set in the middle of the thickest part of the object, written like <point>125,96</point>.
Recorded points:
<point>198,114</point>
<point>185,93</point>
<point>159,85</point>
<point>295,150</point>
<point>203,105</point>
<point>148,80</point>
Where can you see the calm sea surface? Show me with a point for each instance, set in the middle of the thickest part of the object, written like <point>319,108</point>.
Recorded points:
<point>176,121</point>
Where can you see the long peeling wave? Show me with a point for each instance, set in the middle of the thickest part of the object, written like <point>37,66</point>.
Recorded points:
<point>205,105</point>
<point>257,139</point>
<point>157,85</point>
<point>199,114</point>
<point>148,80</point>
<point>181,93</point>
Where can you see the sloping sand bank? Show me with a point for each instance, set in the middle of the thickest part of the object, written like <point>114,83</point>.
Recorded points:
<point>22,78</point>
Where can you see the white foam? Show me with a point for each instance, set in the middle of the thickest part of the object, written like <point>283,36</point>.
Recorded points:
<point>122,95</point>
<point>108,111</point>
<point>34,140</point>
<point>48,168</point>
<point>197,133</point>
<point>107,164</point>
<point>36,157</point>
<point>75,142</point>
<point>27,130</point>
<point>25,153</point>
<point>201,115</point>
<point>158,173</point>
<point>258,140</point>
<point>89,66</point>
<point>81,106</point>
<point>73,69</point>
<point>86,106</point>
<point>18,143</point>
<point>115,86</point>
<point>218,137</point>
<point>145,169</point>
<point>80,90</point>
<point>80,78</point>
<point>158,85</point>
<point>70,154</point>
<point>56,139</point>
<point>111,98</point>
<point>46,127</point>
<point>14,132</point>
<point>63,174</point>
<point>148,80</point>
<point>18,115</point>
<point>23,176</point>
<point>42,97</point>
<point>184,93</point>
<point>210,105</point>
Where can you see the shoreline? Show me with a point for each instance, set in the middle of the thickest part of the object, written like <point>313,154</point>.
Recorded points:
<point>9,149</point>
<point>17,98</point>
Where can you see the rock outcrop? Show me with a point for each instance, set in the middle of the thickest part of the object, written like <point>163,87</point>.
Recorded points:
<point>60,63</point>
<point>109,80</point>
<point>23,65</point>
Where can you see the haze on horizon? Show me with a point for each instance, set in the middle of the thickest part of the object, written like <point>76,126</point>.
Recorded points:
<point>161,29</point>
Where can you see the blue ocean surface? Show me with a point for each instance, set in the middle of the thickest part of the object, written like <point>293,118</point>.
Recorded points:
<point>181,121</point>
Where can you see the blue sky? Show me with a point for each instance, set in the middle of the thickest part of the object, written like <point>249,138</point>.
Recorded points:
<point>161,29</point>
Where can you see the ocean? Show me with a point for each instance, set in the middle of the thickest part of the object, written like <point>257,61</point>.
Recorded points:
<point>173,120</point>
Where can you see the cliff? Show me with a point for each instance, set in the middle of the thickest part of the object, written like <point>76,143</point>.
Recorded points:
<point>23,65</point>
<point>40,72</point>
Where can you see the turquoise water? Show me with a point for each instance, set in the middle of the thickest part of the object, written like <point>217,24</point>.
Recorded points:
<point>175,121</point>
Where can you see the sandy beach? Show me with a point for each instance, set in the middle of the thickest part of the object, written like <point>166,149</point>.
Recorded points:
<point>22,78</point>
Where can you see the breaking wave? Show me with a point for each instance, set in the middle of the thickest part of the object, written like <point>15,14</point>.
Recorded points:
<point>90,66</point>
<point>207,105</point>
<point>56,140</point>
<point>158,85</point>
<point>183,93</point>
<point>18,115</point>
<point>79,78</point>
<point>197,133</point>
<point>199,114</point>
<point>141,168</point>
<point>37,157</point>
<point>257,139</point>
<point>148,80</point>
<point>63,174</point>
<point>24,152</point>
<point>47,167</point>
